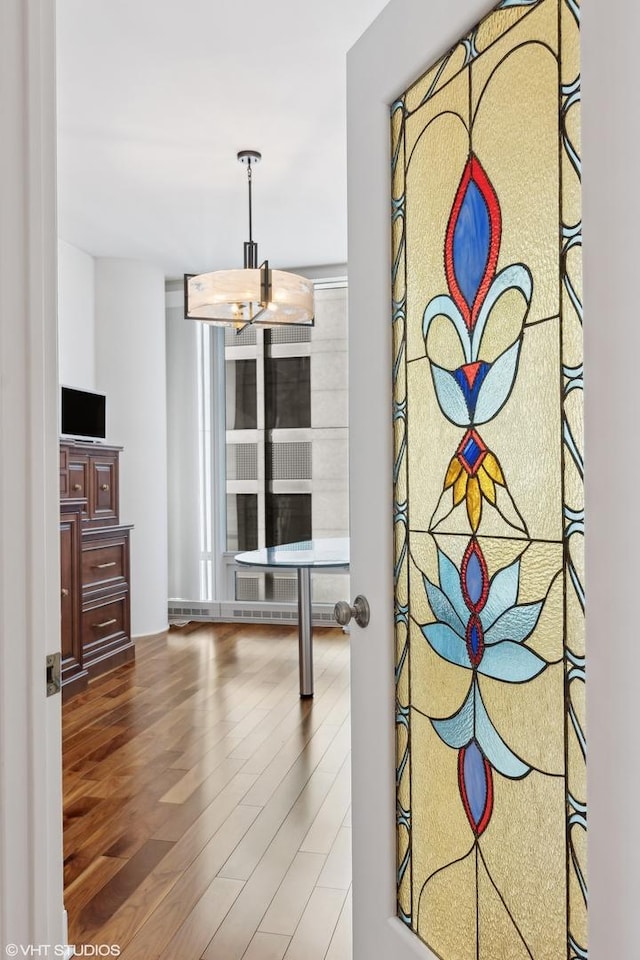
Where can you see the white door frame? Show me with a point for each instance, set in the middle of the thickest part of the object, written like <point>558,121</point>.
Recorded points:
<point>31,910</point>
<point>404,40</point>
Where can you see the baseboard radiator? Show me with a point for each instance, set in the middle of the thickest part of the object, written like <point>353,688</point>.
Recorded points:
<point>244,612</point>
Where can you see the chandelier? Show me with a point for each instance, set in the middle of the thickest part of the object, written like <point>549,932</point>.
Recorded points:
<point>254,295</point>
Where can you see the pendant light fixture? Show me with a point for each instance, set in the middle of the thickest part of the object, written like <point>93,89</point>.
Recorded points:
<point>254,295</point>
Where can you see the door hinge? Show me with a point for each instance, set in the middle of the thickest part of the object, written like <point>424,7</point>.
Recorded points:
<point>53,674</point>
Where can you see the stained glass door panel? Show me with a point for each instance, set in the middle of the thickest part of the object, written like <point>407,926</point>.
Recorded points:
<point>489,512</point>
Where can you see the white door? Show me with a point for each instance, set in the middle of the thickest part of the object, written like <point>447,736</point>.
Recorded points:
<point>405,39</point>
<point>31,910</point>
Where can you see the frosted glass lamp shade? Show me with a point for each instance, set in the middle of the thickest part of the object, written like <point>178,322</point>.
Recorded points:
<point>236,297</point>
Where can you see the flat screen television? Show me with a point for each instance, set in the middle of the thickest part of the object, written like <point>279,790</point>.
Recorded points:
<point>82,414</point>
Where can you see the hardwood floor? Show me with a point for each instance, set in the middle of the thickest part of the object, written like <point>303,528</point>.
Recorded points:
<point>206,807</point>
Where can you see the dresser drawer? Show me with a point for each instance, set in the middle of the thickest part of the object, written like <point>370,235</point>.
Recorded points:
<point>105,562</point>
<point>105,628</point>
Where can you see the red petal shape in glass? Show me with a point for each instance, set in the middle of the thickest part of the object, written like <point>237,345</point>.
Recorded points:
<point>474,577</point>
<point>472,241</point>
<point>475,782</point>
<point>475,640</point>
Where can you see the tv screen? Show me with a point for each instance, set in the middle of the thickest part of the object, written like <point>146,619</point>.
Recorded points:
<point>83,414</point>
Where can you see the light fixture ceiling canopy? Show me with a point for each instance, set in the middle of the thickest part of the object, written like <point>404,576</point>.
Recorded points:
<point>254,295</point>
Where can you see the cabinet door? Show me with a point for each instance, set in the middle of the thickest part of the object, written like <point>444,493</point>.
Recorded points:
<point>64,473</point>
<point>78,479</point>
<point>74,676</point>
<point>104,490</point>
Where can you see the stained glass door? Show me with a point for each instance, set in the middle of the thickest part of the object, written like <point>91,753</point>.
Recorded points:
<point>488,857</point>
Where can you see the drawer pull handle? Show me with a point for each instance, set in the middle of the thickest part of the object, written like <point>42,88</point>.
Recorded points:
<point>103,566</point>
<point>77,486</point>
<point>104,486</point>
<point>64,592</point>
<point>105,623</point>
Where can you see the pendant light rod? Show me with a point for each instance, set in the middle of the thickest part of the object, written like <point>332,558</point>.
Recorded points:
<point>250,157</point>
<point>250,218</point>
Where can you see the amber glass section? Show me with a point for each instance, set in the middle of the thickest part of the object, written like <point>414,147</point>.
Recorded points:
<point>488,492</point>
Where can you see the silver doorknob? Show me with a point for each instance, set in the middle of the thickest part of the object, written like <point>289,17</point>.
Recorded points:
<point>344,612</point>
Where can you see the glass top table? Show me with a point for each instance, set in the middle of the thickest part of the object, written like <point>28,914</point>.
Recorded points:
<point>303,556</point>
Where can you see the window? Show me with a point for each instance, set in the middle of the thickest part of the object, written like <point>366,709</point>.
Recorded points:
<point>242,410</point>
<point>287,392</point>
<point>272,422</point>
<point>288,518</point>
<point>242,521</point>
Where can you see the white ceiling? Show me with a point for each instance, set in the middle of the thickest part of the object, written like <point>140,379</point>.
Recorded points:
<point>156,97</point>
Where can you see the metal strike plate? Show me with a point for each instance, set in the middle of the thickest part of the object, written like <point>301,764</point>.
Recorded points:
<point>53,674</point>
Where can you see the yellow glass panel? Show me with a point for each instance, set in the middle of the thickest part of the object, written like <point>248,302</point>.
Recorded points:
<point>443,344</point>
<point>575,623</point>
<point>574,269</point>
<point>523,92</point>
<point>492,401</point>
<point>575,758</point>
<point>396,133</point>
<point>436,841</point>
<point>524,848</point>
<point>435,79</point>
<point>506,323</point>
<point>527,434</point>
<point>447,911</point>
<point>403,688</point>
<point>573,486</point>
<point>577,697</point>
<point>571,193</point>
<point>571,334</point>
<point>447,686</point>
<point>572,127</point>
<point>404,890</point>
<point>570,44</point>
<point>527,716</point>
<point>420,611</point>
<point>432,441</point>
<point>577,905</point>
<point>576,554</point>
<point>496,25</point>
<point>539,25</point>
<point>497,933</point>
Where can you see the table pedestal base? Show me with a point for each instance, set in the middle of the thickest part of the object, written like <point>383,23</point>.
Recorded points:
<point>305,642</point>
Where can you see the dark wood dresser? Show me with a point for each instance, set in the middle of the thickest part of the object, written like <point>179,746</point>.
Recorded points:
<point>94,560</point>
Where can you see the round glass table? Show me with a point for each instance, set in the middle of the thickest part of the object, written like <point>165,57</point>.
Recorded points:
<point>304,557</point>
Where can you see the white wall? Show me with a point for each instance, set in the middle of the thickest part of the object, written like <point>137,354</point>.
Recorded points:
<point>76,317</point>
<point>130,369</point>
